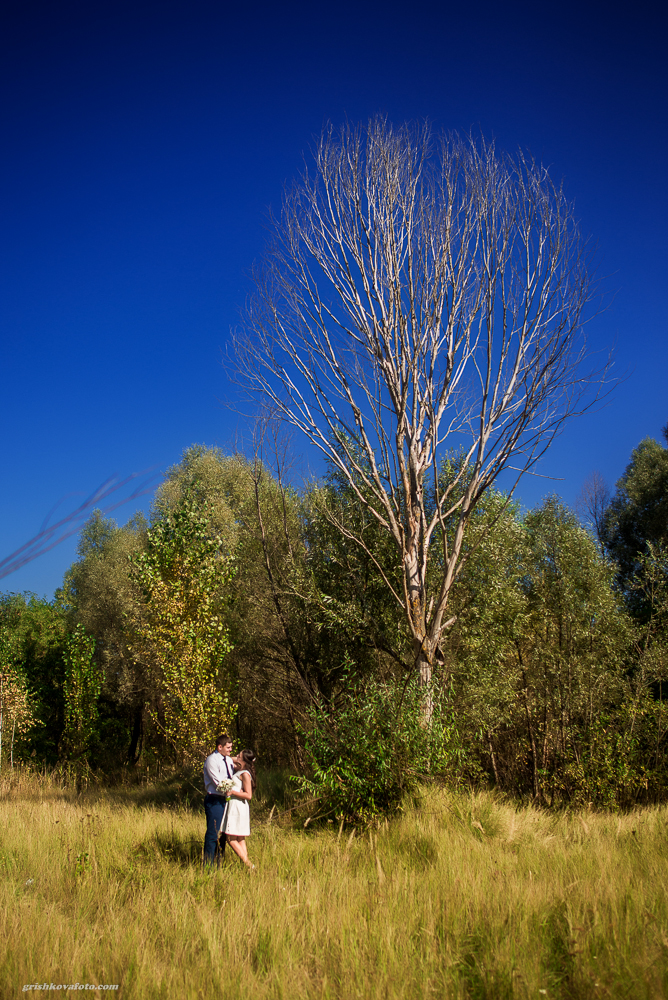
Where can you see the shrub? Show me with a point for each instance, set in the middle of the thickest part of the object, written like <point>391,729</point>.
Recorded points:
<point>366,754</point>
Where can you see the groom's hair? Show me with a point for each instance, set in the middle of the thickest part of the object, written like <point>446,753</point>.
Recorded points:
<point>222,740</point>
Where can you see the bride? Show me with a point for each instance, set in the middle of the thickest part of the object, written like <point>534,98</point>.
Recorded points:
<point>237,819</point>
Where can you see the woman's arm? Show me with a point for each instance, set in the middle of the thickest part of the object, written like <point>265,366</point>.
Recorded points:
<point>247,788</point>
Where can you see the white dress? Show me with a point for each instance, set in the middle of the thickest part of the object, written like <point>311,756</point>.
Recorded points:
<point>237,817</point>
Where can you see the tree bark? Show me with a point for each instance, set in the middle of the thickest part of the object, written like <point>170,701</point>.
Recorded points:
<point>425,673</point>
<point>492,755</point>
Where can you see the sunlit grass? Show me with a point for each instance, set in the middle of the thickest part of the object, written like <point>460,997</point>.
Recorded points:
<point>462,896</point>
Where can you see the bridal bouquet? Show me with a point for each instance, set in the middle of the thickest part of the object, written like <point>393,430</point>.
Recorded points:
<point>225,786</point>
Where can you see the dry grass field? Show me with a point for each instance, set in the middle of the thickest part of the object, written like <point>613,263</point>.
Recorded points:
<point>463,896</point>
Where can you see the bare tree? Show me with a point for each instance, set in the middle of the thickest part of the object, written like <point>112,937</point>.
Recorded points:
<point>423,295</point>
<point>592,503</point>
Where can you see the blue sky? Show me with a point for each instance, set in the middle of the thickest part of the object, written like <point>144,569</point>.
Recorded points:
<point>144,143</point>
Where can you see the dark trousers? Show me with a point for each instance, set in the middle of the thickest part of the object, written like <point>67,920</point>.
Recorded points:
<point>214,809</point>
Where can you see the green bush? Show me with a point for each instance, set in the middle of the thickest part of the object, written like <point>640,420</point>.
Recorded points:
<point>603,768</point>
<point>620,761</point>
<point>366,754</point>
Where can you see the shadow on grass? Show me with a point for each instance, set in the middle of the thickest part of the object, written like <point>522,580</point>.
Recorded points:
<point>173,848</point>
<point>274,791</point>
<point>185,790</point>
<point>182,789</point>
<point>482,982</point>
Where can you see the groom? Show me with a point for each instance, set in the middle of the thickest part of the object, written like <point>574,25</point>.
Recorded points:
<point>217,767</point>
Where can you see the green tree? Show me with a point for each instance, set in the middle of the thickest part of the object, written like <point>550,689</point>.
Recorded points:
<point>572,651</point>
<point>638,515</point>
<point>81,688</point>
<point>650,583</point>
<point>258,523</point>
<point>646,711</point>
<point>33,633</point>
<point>297,611</point>
<point>100,593</point>
<point>543,655</point>
<point>343,588</point>
<point>180,628</point>
<point>490,605</point>
<point>258,517</point>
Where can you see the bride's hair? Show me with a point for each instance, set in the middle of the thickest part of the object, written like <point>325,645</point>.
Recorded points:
<point>249,759</point>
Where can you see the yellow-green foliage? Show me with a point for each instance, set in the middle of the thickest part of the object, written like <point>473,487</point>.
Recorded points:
<point>180,627</point>
<point>462,896</point>
<point>81,688</point>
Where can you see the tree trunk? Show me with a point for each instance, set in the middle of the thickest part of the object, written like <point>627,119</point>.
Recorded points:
<point>425,670</point>
<point>135,747</point>
<point>493,758</point>
<point>532,741</point>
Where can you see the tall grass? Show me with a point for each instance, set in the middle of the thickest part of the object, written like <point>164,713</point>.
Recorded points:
<point>461,896</point>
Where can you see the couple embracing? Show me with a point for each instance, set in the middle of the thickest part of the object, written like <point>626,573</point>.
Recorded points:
<point>229,782</point>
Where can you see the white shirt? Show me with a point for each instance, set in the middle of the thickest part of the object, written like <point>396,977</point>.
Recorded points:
<point>217,767</point>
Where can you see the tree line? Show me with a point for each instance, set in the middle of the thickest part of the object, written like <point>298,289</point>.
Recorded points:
<point>419,317</point>
<point>238,604</point>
